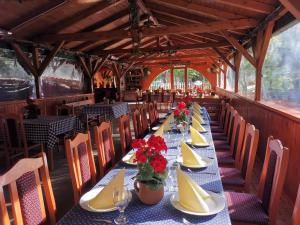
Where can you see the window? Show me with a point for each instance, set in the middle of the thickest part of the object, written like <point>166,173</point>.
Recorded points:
<point>195,78</point>
<point>247,78</point>
<point>222,80</point>
<point>163,80</point>
<point>230,77</point>
<point>179,79</point>
<point>218,83</point>
<point>281,70</point>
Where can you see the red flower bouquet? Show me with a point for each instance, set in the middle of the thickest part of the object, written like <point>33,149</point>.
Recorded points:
<point>181,114</point>
<point>152,165</point>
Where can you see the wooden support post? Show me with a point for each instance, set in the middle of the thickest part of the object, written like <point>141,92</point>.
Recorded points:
<point>237,63</point>
<point>293,6</point>
<point>225,76</point>
<point>186,78</point>
<point>172,78</point>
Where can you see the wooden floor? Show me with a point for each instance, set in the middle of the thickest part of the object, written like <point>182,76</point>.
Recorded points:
<point>64,198</point>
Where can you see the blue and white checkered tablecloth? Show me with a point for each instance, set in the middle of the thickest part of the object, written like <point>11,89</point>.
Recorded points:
<point>45,129</point>
<point>162,213</point>
<point>110,111</point>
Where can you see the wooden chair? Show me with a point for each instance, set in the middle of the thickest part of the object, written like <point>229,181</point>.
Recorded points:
<point>81,163</point>
<point>137,124</point>
<point>296,213</point>
<point>156,113</point>
<point>239,178</point>
<point>4,152</point>
<point>220,128</point>
<point>247,208</point>
<point>125,133</point>
<point>105,147</point>
<point>231,158</point>
<point>144,118</point>
<point>221,117</point>
<point>151,113</point>
<point>15,137</point>
<point>25,193</point>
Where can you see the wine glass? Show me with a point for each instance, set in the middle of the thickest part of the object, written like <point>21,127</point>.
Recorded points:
<point>121,199</point>
<point>173,178</point>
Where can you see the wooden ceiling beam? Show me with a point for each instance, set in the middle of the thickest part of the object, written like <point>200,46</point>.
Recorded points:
<point>81,15</point>
<point>293,6</point>
<point>169,57</point>
<point>158,31</point>
<point>252,5</point>
<point>24,21</point>
<point>164,49</point>
<point>224,58</point>
<point>239,47</point>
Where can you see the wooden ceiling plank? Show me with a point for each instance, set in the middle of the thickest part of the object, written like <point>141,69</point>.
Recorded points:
<point>158,31</point>
<point>33,16</point>
<point>239,47</point>
<point>49,57</point>
<point>252,5</point>
<point>224,58</point>
<point>81,15</point>
<point>293,6</point>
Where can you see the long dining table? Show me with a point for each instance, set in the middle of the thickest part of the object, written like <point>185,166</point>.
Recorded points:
<point>162,213</point>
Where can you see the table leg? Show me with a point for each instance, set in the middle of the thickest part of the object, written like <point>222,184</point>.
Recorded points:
<point>50,159</point>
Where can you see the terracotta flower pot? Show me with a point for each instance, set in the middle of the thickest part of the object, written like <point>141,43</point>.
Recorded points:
<point>148,196</point>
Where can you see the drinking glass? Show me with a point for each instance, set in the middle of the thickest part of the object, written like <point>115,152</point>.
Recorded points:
<point>173,178</point>
<point>121,199</point>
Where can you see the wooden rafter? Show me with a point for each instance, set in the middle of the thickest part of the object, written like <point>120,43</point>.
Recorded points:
<point>293,6</point>
<point>252,5</point>
<point>224,58</point>
<point>239,47</point>
<point>31,17</point>
<point>157,31</point>
<point>169,57</point>
<point>91,66</point>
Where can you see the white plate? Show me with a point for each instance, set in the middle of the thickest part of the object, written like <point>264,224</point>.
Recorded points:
<point>204,158</point>
<point>216,206</point>
<point>155,128</point>
<point>84,201</point>
<point>189,141</point>
<point>173,108</point>
<point>126,158</point>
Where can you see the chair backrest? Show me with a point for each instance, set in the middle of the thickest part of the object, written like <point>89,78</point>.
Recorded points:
<point>14,132</point>
<point>248,153</point>
<point>105,147</point>
<point>151,113</point>
<point>155,108</point>
<point>237,137</point>
<point>296,213</point>
<point>81,163</point>
<point>144,118</point>
<point>125,133</point>
<point>25,181</point>
<point>273,177</point>
<point>223,113</point>
<point>64,110</point>
<point>232,116</point>
<point>137,123</point>
<point>227,118</point>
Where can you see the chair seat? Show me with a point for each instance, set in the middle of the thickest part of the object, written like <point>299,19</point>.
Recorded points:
<point>225,158</point>
<point>216,129</point>
<point>247,208</point>
<point>214,123</point>
<point>219,136</point>
<point>221,145</point>
<point>231,176</point>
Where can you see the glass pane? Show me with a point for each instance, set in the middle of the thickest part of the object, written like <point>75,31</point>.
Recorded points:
<point>179,79</point>
<point>222,80</point>
<point>163,80</point>
<point>281,70</point>
<point>195,78</point>
<point>247,79</point>
<point>230,78</point>
<point>15,83</point>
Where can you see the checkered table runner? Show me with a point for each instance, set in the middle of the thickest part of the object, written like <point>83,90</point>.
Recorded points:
<point>45,129</point>
<point>111,111</point>
<point>163,213</point>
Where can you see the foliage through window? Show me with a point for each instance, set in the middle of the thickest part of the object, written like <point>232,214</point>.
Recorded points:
<point>281,70</point>
<point>230,77</point>
<point>162,81</point>
<point>195,78</point>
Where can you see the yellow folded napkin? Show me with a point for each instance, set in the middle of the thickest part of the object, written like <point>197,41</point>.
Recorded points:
<point>171,117</point>
<point>197,125</point>
<point>191,195</point>
<point>196,106</point>
<point>198,117</point>
<point>166,125</point>
<point>190,157</point>
<point>197,138</point>
<point>160,131</point>
<point>132,158</point>
<point>104,198</point>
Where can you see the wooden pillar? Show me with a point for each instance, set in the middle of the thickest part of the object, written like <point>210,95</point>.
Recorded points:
<point>237,63</point>
<point>225,75</point>
<point>172,78</point>
<point>185,78</point>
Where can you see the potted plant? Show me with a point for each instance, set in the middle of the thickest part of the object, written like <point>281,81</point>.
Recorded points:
<point>152,169</point>
<point>181,116</point>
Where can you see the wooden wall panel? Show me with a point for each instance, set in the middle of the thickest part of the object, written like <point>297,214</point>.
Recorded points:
<point>271,121</point>
<point>47,105</point>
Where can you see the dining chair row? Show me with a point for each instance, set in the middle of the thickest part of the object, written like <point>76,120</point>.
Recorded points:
<point>236,143</point>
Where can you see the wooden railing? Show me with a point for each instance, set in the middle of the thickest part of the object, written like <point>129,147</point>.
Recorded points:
<point>47,105</point>
<point>277,122</point>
